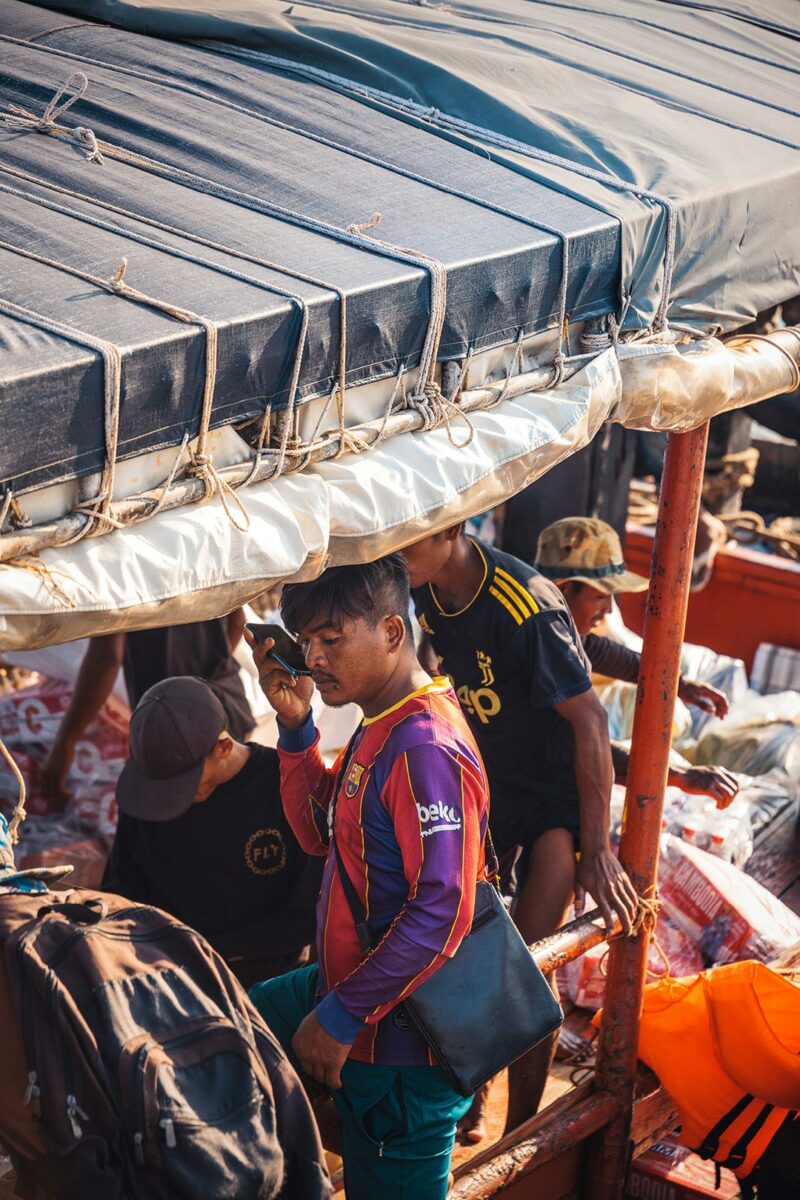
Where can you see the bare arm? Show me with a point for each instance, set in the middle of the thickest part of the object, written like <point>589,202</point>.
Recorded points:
<point>234,627</point>
<point>717,782</point>
<point>599,871</point>
<point>94,685</point>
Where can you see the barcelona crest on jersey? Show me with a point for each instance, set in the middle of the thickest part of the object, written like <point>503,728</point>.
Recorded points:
<point>353,781</point>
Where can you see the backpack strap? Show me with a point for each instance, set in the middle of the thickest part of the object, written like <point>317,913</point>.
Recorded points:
<point>90,912</point>
<point>350,893</point>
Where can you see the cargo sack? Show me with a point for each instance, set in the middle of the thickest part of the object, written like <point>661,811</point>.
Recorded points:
<point>150,1073</point>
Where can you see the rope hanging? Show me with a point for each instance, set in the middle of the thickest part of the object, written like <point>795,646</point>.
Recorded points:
<point>18,814</point>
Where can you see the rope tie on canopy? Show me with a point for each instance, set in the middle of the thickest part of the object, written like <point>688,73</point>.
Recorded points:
<point>96,509</point>
<point>74,88</point>
<point>13,512</point>
<point>437,120</point>
<point>200,261</point>
<point>427,398</point>
<point>201,463</point>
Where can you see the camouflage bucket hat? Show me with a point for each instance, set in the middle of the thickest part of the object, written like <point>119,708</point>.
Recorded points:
<point>586,550</point>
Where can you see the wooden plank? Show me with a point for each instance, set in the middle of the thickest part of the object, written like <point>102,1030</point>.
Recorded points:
<point>560,1179</point>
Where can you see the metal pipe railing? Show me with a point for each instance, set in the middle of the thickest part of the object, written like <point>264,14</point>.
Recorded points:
<point>659,673</point>
<point>571,941</point>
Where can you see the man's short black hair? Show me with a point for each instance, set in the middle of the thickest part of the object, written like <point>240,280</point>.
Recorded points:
<point>369,590</point>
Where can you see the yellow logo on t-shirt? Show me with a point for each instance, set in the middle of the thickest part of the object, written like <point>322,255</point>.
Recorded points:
<point>483,703</point>
<point>485,668</point>
<point>424,624</point>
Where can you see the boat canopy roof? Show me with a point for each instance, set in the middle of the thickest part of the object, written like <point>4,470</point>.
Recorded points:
<point>285,285</point>
<point>637,158</point>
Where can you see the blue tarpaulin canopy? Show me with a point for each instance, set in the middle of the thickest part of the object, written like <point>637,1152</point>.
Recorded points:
<point>284,285</point>
<point>490,138</point>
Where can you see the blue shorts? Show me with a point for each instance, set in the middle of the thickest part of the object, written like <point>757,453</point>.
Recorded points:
<point>397,1124</point>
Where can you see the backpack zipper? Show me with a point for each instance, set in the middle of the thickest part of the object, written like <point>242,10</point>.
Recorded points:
<point>73,1112</point>
<point>168,1125</point>
<point>32,1091</point>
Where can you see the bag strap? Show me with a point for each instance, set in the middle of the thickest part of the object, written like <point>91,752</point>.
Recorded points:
<point>350,894</point>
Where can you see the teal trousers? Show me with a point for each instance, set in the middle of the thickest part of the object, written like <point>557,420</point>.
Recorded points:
<point>397,1124</point>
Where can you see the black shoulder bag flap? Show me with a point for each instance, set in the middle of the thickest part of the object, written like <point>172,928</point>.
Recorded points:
<point>487,1005</point>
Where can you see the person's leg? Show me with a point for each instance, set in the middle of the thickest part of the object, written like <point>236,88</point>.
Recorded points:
<point>542,906</point>
<point>284,1002</point>
<point>398,1128</point>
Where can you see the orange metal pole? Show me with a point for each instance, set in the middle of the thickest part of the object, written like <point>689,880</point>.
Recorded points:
<point>665,620</point>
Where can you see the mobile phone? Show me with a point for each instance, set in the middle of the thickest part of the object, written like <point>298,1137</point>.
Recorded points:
<point>286,651</point>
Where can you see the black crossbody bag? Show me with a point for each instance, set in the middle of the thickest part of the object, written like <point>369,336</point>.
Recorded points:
<point>487,1005</point>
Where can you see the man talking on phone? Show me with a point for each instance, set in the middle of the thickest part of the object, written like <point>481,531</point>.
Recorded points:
<point>406,808</point>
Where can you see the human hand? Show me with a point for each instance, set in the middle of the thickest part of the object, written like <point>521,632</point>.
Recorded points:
<point>703,695</point>
<point>55,770</point>
<point>601,874</point>
<point>320,1055</point>
<point>716,782</point>
<point>290,695</point>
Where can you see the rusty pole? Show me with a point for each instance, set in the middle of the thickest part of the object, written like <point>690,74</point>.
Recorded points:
<point>665,620</point>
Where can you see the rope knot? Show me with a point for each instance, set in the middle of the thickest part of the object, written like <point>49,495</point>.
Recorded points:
<point>73,89</point>
<point>201,466</point>
<point>85,138</point>
<point>117,281</point>
<point>373,222</point>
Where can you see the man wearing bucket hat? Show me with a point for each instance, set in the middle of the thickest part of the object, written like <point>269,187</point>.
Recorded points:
<point>203,835</point>
<point>583,557</point>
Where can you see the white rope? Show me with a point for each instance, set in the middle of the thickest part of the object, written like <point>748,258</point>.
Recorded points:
<point>74,87</point>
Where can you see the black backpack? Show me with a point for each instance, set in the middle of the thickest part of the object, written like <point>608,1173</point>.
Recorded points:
<point>151,1074</point>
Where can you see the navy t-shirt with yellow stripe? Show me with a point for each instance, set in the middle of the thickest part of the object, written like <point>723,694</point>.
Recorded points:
<point>512,654</point>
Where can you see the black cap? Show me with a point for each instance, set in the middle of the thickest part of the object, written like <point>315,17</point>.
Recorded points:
<point>174,726</point>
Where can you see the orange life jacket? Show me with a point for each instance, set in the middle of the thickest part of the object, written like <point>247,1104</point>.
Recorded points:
<point>725,1045</point>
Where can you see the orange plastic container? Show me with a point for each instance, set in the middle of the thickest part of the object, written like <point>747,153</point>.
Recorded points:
<point>751,598</point>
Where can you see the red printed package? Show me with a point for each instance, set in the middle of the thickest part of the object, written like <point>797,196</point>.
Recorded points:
<point>725,913</point>
<point>29,720</point>
<point>585,980</point>
<point>668,1171</point>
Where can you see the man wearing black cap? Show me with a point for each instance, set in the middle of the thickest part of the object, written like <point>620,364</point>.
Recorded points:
<point>202,833</point>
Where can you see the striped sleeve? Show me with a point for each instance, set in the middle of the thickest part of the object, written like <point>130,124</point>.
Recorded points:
<point>306,787</point>
<point>437,803</point>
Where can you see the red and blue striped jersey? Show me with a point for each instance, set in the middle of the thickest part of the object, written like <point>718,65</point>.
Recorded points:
<point>410,820</point>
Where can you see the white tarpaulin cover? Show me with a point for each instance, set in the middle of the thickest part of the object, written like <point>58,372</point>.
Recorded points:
<point>192,563</point>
